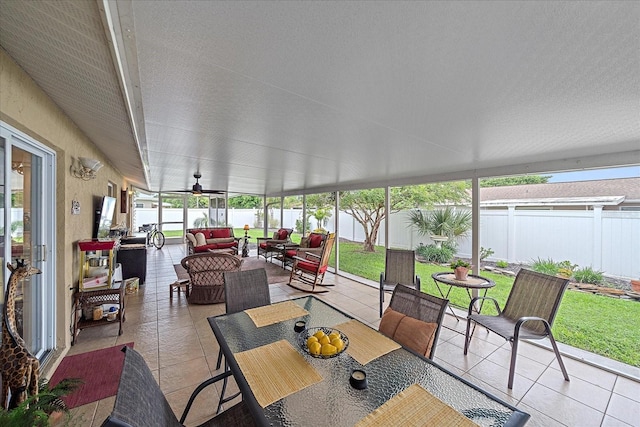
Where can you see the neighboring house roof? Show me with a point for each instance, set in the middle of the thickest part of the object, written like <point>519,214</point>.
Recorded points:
<point>605,192</point>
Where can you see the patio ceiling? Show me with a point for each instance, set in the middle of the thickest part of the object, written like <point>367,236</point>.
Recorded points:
<point>294,97</point>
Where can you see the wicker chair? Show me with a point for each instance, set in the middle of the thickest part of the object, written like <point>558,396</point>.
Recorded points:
<point>399,267</point>
<point>205,275</point>
<point>268,246</point>
<point>311,267</point>
<point>141,403</point>
<point>421,306</point>
<point>528,314</point>
<point>243,290</point>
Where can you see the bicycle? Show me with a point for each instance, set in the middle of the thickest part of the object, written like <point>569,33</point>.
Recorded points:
<point>155,237</point>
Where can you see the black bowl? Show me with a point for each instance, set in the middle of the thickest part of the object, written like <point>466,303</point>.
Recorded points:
<point>304,335</point>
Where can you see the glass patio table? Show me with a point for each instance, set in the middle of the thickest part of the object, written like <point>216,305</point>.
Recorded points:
<point>333,401</point>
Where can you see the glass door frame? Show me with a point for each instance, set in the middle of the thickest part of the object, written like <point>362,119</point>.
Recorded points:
<point>44,243</point>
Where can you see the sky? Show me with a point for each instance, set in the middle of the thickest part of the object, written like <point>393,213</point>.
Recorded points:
<point>588,175</point>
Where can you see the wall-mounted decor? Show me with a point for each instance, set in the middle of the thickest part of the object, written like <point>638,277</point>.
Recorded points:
<point>124,201</point>
<point>75,207</point>
<point>85,168</point>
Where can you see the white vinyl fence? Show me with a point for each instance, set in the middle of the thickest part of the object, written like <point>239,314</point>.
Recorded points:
<point>607,241</point>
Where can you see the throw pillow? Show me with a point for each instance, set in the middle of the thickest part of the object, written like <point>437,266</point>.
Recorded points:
<point>282,234</point>
<point>390,321</point>
<point>415,334</point>
<point>315,240</point>
<point>200,239</point>
<point>304,242</point>
<point>191,238</point>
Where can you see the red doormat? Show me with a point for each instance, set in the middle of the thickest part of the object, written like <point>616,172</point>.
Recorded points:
<point>98,370</point>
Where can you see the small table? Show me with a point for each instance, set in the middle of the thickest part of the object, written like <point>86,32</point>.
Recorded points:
<point>113,295</point>
<point>473,282</point>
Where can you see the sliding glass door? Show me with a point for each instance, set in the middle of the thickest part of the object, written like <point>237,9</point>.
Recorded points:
<point>28,216</point>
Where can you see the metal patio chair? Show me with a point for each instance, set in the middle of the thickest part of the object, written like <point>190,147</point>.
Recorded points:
<point>428,309</point>
<point>528,314</point>
<point>399,267</point>
<point>141,403</point>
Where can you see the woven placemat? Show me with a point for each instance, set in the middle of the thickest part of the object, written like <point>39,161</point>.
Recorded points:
<point>365,343</point>
<point>276,370</point>
<point>415,406</point>
<point>274,313</point>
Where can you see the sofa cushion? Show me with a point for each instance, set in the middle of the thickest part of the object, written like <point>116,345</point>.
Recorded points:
<point>191,238</point>
<point>218,233</point>
<point>304,242</point>
<point>283,233</point>
<point>204,231</point>
<point>220,240</point>
<point>200,239</point>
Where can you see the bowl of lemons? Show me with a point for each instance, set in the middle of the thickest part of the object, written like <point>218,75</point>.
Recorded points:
<point>323,342</point>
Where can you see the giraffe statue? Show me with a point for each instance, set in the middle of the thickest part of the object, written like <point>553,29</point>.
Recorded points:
<point>20,370</point>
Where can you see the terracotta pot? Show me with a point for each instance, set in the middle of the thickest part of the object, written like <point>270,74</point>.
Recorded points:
<point>635,285</point>
<point>461,273</point>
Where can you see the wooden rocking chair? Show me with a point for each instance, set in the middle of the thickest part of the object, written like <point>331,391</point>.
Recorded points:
<point>310,268</point>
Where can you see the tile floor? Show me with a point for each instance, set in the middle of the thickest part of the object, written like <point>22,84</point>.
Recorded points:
<point>179,347</point>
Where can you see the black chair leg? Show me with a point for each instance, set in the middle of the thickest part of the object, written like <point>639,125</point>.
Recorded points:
<point>224,389</point>
<point>219,359</point>
<point>467,336</point>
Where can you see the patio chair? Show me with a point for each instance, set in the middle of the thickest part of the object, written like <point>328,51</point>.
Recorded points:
<point>399,267</point>
<point>205,275</point>
<point>528,314</point>
<point>314,243</point>
<point>413,319</point>
<point>268,246</point>
<point>141,403</point>
<point>310,268</point>
<point>243,290</point>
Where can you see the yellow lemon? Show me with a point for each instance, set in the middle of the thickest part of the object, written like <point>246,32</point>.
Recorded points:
<point>311,340</point>
<point>315,347</point>
<point>333,335</point>
<point>328,350</point>
<point>319,334</point>
<point>337,343</point>
<point>324,340</point>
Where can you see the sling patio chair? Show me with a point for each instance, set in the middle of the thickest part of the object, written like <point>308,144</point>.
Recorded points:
<point>268,246</point>
<point>399,267</point>
<point>141,403</point>
<point>205,275</point>
<point>310,268</point>
<point>528,314</point>
<point>243,290</point>
<point>413,319</point>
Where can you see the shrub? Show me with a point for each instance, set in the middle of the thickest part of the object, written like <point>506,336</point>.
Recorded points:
<point>434,254</point>
<point>565,269</point>
<point>485,253</point>
<point>502,264</point>
<point>545,266</point>
<point>588,275</point>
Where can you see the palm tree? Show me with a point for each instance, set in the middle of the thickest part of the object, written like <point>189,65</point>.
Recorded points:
<point>201,222</point>
<point>441,222</point>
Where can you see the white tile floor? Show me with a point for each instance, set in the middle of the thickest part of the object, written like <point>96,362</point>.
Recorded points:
<point>179,347</point>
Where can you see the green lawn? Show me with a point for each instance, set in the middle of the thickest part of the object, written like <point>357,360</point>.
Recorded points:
<point>602,325</point>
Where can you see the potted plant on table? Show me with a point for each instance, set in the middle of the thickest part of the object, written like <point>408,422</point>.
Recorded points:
<point>461,269</point>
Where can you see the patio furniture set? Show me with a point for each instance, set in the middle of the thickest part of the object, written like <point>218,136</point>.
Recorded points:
<point>282,383</point>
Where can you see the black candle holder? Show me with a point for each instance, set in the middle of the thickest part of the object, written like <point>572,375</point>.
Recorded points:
<point>358,379</point>
<point>300,326</point>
